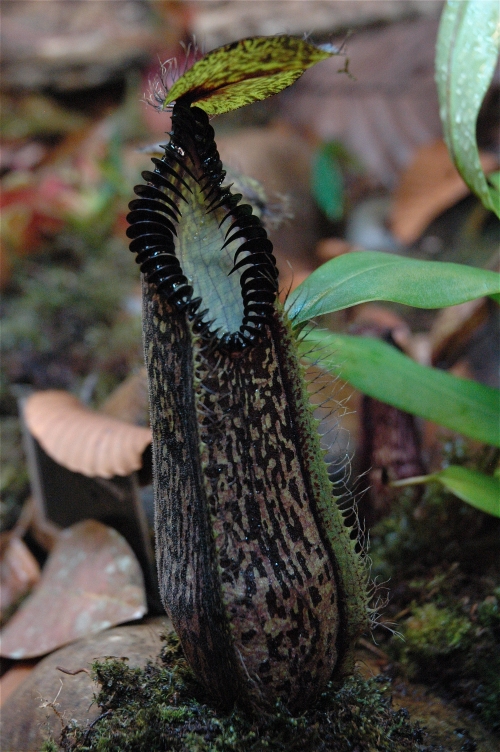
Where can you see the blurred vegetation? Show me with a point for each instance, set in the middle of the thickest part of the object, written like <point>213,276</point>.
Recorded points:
<point>71,302</point>
<point>440,561</point>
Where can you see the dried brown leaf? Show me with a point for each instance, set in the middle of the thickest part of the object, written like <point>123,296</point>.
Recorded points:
<point>19,571</point>
<point>13,678</point>
<point>91,581</point>
<point>429,186</point>
<point>129,401</point>
<point>83,440</point>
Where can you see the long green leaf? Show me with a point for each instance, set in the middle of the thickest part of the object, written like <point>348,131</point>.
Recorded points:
<point>479,490</point>
<point>494,179</point>
<point>369,275</point>
<point>381,371</point>
<point>466,55</point>
<point>246,71</point>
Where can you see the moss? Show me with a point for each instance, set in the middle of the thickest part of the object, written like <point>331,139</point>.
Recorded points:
<point>459,652</point>
<point>441,531</point>
<point>49,746</point>
<point>163,708</point>
<point>432,634</point>
<point>436,631</point>
<point>441,559</point>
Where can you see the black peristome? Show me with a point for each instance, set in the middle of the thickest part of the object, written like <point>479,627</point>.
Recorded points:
<point>157,211</point>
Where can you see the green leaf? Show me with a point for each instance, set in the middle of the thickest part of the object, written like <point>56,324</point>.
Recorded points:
<point>494,179</point>
<point>382,372</point>
<point>362,276</point>
<point>246,71</point>
<point>466,55</point>
<point>327,183</point>
<point>479,490</point>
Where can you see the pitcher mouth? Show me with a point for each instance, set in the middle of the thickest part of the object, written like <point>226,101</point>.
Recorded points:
<point>206,253</point>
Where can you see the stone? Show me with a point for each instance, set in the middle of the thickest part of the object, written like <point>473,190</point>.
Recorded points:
<point>27,716</point>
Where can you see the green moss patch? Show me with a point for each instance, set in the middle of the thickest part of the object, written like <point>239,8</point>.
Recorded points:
<point>433,631</point>
<point>163,708</point>
<point>443,571</point>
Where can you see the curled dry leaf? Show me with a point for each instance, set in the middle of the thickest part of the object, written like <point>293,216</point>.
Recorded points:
<point>19,571</point>
<point>129,401</point>
<point>83,440</point>
<point>91,581</point>
<point>429,186</point>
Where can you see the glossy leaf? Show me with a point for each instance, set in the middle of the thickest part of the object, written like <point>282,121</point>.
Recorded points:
<point>362,276</point>
<point>246,71</point>
<point>466,55</point>
<point>382,372</point>
<point>479,490</point>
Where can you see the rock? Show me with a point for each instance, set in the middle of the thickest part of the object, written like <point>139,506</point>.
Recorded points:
<point>27,716</point>
<point>215,22</point>
<point>387,106</point>
<point>74,45</point>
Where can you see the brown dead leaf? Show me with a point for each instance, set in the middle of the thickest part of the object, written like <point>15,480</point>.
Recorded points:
<point>430,185</point>
<point>83,440</point>
<point>91,581</point>
<point>129,401</point>
<point>68,48</point>
<point>19,571</point>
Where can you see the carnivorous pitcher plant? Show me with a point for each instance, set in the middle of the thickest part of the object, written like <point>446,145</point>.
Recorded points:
<point>257,568</point>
